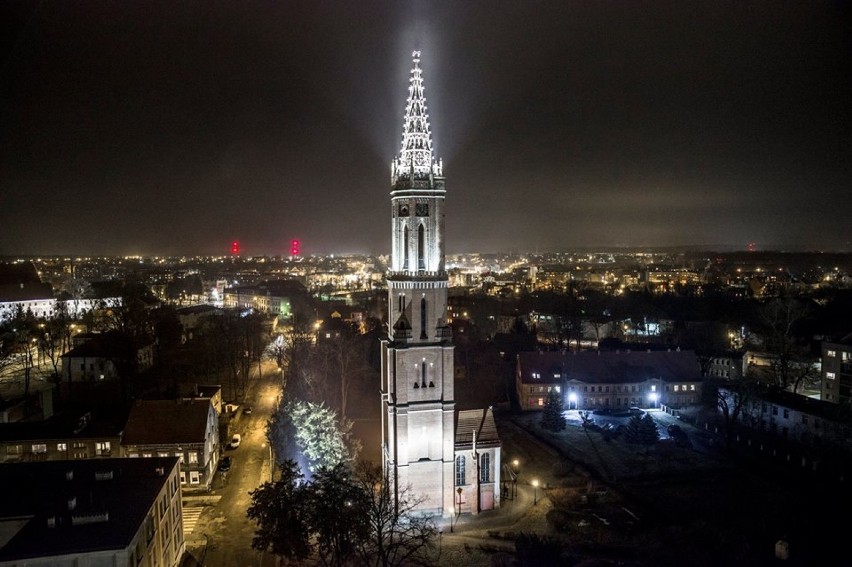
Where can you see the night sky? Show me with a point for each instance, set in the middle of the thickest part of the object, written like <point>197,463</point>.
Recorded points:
<point>133,127</point>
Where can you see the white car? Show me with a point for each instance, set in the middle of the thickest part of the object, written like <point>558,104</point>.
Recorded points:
<point>235,441</point>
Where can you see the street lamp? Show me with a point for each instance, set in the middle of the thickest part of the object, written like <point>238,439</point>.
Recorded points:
<point>515,465</point>
<point>535,491</point>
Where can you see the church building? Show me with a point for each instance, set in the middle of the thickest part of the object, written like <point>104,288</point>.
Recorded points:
<point>450,459</point>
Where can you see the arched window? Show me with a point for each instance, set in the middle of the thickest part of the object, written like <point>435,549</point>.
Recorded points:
<point>460,480</point>
<point>421,248</point>
<point>423,319</point>
<point>405,248</point>
<point>485,468</point>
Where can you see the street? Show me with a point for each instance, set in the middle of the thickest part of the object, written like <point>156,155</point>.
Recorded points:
<point>222,534</point>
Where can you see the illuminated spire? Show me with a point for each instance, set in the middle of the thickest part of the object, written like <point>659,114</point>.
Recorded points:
<point>415,157</point>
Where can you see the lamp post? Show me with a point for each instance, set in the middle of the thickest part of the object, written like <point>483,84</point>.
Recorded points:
<point>535,491</point>
<point>516,470</point>
<point>459,490</point>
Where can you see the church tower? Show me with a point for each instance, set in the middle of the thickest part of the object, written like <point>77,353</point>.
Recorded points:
<point>418,407</point>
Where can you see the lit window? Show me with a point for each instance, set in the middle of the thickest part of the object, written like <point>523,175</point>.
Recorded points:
<point>692,387</point>
<point>540,402</point>
<point>61,447</point>
<point>183,477</point>
<point>194,477</point>
<point>193,457</point>
<point>830,353</point>
<point>39,448</point>
<point>829,375</point>
<point>676,388</point>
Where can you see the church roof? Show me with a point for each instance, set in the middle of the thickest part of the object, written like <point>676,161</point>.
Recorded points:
<point>482,422</point>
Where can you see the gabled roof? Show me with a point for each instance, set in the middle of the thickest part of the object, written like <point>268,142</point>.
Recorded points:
<point>166,422</point>
<point>482,422</point>
<point>609,367</point>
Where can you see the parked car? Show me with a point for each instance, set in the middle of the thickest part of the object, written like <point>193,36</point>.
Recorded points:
<point>224,464</point>
<point>235,441</point>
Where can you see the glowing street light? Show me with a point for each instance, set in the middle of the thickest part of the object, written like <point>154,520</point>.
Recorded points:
<point>535,491</point>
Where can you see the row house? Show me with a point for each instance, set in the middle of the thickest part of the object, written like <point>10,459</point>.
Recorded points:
<point>62,437</point>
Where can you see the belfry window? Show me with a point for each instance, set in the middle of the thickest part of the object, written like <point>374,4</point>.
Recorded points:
<point>405,248</point>
<point>421,248</point>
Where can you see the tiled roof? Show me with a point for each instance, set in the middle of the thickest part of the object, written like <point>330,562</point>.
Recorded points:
<point>104,345</point>
<point>479,420</point>
<point>609,367</point>
<point>165,422</point>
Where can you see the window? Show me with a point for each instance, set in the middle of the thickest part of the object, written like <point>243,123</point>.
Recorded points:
<point>39,448</point>
<point>541,402</point>
<point>805,419</point>
<point>676,388</point>
<point>421,248</point>
<point>786,413</point>
<point>193,457</point>
<point>102,448</point>
<point>62,447</point>
<point>692,387</point>
<point>830,353</point>
<point>193,477</point>
<point>182,477</point>
<point>485,468</point>
<point>460,465</point>
<point>774,410</point>
<point>829,375</point>
<point>423,318</point>
<point>163,454</point>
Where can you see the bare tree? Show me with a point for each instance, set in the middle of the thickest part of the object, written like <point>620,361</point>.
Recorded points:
<point>398,534</point>
<point>790,364</point>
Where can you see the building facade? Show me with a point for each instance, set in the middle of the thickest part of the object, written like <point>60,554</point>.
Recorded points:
<point>837,371</point>
<point>617,380</point>
<point>418,398</point>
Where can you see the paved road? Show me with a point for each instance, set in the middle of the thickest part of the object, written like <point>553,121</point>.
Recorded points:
<point>222,534</point>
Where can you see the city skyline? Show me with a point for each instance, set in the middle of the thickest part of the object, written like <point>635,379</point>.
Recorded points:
<point>160,129</point>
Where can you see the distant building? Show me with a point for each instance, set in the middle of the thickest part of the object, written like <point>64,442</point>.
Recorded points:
<point>21,287</point>
<point>99,356</point>
<point>117,512</point>
<point>837,371</point>
<point>187,429</point>
<point>63,437</point>
<point>590,380</point>
<point>796,417</point>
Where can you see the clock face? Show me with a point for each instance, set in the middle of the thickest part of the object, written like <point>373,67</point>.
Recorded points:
<point>403,210</point>
<point>421,210</point>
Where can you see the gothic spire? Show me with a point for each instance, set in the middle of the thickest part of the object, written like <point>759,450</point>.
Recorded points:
<point>415,157</point>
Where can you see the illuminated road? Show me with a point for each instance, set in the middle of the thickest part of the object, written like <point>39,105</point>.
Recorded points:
<point>223,526</point>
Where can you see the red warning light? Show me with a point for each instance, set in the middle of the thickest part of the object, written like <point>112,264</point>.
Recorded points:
<point>235,247</point>
<point>294,247</point>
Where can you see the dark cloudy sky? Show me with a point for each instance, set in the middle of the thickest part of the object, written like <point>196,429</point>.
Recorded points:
<point>175,127</point>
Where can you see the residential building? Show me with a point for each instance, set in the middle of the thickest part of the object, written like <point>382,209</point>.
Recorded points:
<point>187,429</point>
<point>62,437</point>
<point>116,512</point>
<point>837,371</point>
<point>590,380</point>
<point>103,356</point>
